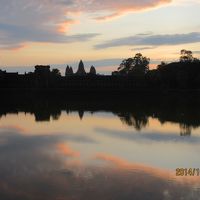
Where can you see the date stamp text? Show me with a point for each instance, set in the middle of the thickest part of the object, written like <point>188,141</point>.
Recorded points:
<point>187,172</point>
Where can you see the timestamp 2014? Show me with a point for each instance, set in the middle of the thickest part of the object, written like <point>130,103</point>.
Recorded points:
<point>187,171</point>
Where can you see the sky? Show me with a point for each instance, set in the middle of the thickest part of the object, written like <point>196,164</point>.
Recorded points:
<point>101,33</point>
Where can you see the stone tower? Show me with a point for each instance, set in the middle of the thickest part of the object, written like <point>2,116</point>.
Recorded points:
<point>68,71</point>
<point>71,70</point>
<point>81,70</point>
<point>92,70</point>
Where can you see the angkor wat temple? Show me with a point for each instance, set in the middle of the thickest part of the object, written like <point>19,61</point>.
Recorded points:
<point>167,77</point>
<point>45,78</point>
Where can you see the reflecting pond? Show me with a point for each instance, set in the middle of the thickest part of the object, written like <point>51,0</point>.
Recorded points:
<point>99,149</point>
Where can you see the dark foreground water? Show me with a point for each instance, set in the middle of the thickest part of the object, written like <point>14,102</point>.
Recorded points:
<point>99,150</point>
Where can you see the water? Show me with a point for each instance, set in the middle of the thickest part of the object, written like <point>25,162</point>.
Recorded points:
<point>94,150</point>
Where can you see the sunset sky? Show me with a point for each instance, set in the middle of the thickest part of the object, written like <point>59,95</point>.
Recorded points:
<point>101,32</point>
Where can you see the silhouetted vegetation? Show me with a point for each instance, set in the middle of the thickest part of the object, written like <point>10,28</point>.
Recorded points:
<point>184,74</point>
<point>186,56</point>
<point>136,119</point>
<point>56,72</point>
<point>132,75</point>
<point>138,65</point>
<point>136,111</point>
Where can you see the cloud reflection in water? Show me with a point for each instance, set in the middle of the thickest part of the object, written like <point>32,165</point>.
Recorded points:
<point>43,167</point>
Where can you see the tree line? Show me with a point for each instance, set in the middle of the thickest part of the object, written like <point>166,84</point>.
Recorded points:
<point>183,74</point>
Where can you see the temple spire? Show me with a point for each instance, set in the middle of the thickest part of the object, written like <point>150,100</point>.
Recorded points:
<point>81,70</point>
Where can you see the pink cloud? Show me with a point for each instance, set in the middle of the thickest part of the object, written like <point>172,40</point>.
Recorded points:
<point>115,8</point>
<point>25,21</point>
<point>67,151</point>
<point>63,27</point>
<point>12,128</point>
<point>122,164</point>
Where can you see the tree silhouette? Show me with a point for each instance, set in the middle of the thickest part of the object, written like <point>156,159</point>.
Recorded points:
<point>137,64</point>
<point>186,56</point>
<point>161,65</point>
<point>135,119</point>
<point>56,72</point>
<point>185,130</point>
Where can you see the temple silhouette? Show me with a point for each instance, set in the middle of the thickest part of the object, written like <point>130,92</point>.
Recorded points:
<point>81,70</point>
<point>169,93</point>
<point>133,75</point>
<point>45,78</point>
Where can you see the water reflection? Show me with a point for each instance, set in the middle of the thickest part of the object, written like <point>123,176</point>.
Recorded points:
<point>185,129</point>
<point>43,167</point>
<point>136,119</point>
<point>64,148</point>
<point>134,112</point>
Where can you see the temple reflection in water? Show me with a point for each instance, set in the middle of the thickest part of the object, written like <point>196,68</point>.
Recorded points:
<point>134,112</point>
<point>64,147</point>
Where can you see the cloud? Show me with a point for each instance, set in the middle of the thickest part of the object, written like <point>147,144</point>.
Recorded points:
<point>152,40</point>
<point>124,164</point>
<point>23,21</point>
<point>107,9</point>
<point>19,136</point>
<point>148,136</point>
<point>142,48</point>
<point>8,129</point>
<point>67,151</point>
<point>33,167</point>
<point>196,52</point>
<point>164,174</point>
<point>15,36</point>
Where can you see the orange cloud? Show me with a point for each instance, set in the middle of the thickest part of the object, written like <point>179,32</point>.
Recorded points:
<point>17,48</point>
<point>108,17</point>
<point>118,7</point>
<point>47,21</point>
<point>145,169</point>
<point>67,151</point>
<point>13,128</point>
<point>118,162</point>
<point>64,26</point>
